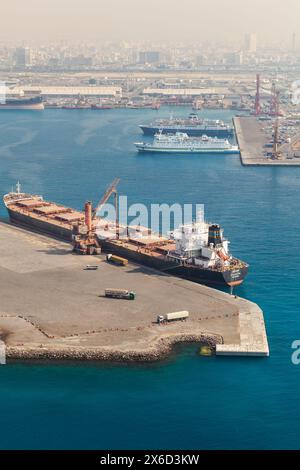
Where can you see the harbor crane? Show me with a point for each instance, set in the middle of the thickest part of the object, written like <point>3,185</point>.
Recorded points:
<point>275,140</point>
<point>275,102</point>
<point>84,233</point>
<point>257,106</point>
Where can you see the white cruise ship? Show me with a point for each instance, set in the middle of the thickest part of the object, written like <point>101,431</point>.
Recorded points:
<point>182,143</point>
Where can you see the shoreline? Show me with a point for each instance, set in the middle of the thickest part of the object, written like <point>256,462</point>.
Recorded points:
<point>161,349</point>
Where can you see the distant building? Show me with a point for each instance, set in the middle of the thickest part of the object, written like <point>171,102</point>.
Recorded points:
<point>234,58</point>
<point>251,43</point>
<point>68,91</point>
<point>23,57</point>
<point>294,42</point>
<point>201,60</point>
<point>78,61</point>
<point>213,93</point>
<point>149,57</point>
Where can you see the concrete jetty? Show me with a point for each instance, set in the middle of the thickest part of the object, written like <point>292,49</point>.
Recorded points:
<point>52,308</point>
<point>253,336</point>
<point>252,140</point>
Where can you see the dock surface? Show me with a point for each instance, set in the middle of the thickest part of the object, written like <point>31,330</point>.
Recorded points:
<point>252,141</point>
<point>51,307</point>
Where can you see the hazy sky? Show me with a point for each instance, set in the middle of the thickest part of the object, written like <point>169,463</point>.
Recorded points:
<point>180,20</point>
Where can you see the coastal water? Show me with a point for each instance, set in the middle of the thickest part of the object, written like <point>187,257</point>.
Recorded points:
<point>187,401</point>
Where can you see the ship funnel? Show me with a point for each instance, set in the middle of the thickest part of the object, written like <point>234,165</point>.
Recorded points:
<point>214,235</point>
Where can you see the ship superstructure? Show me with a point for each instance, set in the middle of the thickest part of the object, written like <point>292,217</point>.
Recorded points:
<point>196,251</point>
<point>182,143</point>
<point>193,126</point>
<point>202,244</point>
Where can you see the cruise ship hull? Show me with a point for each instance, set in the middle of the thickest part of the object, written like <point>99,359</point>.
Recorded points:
<point>162,263</point>
<point>190,131</point>
<point>147,148</point>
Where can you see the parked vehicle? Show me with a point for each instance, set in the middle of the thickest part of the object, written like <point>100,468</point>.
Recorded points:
<point>173,316</point>
<point>118,260</point>
<point>120,294</point>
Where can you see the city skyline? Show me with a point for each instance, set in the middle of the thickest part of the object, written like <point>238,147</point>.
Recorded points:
<point>195,21</point>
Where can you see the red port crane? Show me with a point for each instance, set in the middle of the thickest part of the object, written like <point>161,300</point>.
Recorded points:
<point>274,105</point>
<point>257,107</point>
<point>84,235</point>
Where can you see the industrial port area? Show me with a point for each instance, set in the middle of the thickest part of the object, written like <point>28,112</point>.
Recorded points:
<point>149,238</point>
<point>123,297</point>
<point>266,104</point>
<point>61,311</point>
<point>88,307</point>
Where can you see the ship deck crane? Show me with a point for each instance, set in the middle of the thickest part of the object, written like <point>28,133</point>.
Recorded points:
<point>84,234</point>
<point>111,190</point>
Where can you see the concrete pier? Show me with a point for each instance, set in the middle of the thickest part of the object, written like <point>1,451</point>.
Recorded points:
<point>253,337</point>
<point>252,140</point>
<point>51,308</point>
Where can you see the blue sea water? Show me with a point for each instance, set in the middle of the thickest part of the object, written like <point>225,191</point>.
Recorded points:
<point>187,401</point>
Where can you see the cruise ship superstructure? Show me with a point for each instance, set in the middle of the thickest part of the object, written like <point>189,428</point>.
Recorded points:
<point>192,126</point>
<point>182,143</point>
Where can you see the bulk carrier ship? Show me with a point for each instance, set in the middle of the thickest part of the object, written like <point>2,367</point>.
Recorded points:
<point>197,251</point>
<point>23,103</point>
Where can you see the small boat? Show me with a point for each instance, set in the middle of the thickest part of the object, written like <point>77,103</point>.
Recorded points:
<point>205,351</point>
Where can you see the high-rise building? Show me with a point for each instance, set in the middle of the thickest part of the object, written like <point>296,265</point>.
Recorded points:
<point>23,57</point>
<point>201,59</point>
<point>294,42</point>
<point>251,43</point>
<point>149,57</point>
<point>234,58</point>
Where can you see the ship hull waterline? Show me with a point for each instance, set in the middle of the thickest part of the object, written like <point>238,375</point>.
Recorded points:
<point>145,149</point>
<point>231,278</point>
<point>31,107</point>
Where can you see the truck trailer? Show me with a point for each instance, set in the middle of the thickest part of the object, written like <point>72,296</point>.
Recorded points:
<point>118,260</point>
<point>173,316</point>
<point>120,294</point>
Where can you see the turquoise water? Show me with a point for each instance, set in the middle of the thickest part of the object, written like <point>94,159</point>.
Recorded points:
<point>188,401</point>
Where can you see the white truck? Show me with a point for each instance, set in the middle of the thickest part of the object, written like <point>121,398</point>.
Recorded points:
<point>173,316</point>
